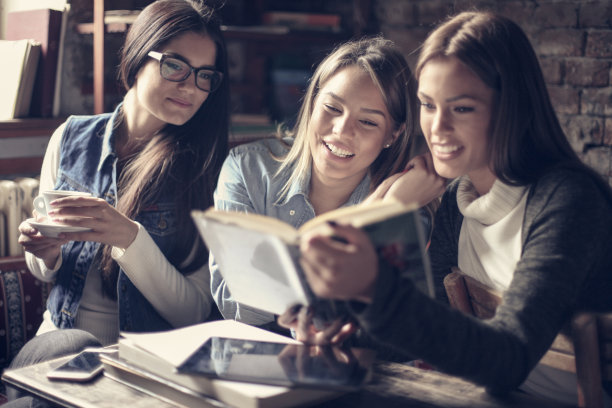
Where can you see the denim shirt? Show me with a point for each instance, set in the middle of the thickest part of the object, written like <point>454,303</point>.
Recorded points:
<point>88,162</point>
<point>248,183</point>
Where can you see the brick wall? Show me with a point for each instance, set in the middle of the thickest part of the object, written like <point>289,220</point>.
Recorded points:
<point>573,40</point>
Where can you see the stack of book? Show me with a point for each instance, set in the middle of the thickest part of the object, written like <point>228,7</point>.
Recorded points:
<point>303,21</point>
<point>46,27</point>
<point>149,361</point>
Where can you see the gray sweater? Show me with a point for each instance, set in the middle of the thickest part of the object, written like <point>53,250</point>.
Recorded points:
<point>565,267</point>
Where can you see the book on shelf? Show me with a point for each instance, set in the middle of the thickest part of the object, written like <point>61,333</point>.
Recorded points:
<point>258,255</point>
<point>148,361</point>
<point>19,70</point>
<point>43,26</point>
<point>303,21</point>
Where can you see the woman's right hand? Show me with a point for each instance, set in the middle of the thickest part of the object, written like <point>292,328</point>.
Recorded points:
<point>46,248</point>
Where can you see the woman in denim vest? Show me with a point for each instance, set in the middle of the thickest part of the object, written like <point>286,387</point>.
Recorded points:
<point>141,266</point>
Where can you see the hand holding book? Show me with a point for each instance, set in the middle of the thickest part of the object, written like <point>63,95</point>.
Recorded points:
<point>259,256</point>
<point>342,265</point>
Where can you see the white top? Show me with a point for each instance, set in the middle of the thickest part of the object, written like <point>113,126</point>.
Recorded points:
<point>181,300</point>
<point>489,247</point>
<point>490,236</point>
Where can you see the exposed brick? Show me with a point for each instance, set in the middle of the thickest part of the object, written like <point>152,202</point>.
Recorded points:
<point>520,12</point>
<point>462,5</point>
<point>596,101</point>
<point>556,15</point>
<point>583,129</point>
<point>564,99</point>
<point>607,138</point>
<point>587,72</point>
<point>408,44</point>
<point>430,13</point>
<point>396,12</point>
<point>599,158</point>
<point>599,44</point>
<point>595,14</point>
<point>551,68</point>
<point>559,42</point>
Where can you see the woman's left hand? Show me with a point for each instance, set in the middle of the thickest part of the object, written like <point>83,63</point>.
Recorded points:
<point>342,266</point>
<point>108,226</point>
<point>418,183</point>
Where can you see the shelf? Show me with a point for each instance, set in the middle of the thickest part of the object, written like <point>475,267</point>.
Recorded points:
<point>266,41</point>
<point>23,143</point>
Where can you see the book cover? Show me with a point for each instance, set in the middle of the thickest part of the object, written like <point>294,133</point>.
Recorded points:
<point>17,56</point>
<point>156,355</point>
<point>25,95</point>
<point>43,26</point>
<point>258,256</point>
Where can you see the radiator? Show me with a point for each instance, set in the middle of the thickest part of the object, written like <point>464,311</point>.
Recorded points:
<point>29,190</point>
<point>11,210</point>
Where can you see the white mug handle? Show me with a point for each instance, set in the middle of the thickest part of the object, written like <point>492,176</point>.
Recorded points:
<point>39,205</point>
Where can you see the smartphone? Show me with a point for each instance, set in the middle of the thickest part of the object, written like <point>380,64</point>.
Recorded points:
<point>83,367</point>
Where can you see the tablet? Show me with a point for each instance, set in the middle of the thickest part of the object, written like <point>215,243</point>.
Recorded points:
<point>290,365</point>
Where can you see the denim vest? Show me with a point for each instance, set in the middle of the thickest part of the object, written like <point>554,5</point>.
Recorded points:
<point>88,163</point>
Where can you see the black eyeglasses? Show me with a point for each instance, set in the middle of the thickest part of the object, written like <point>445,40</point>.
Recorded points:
<point>175,69</point>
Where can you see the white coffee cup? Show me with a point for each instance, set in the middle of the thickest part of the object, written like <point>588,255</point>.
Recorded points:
<point>42,202</point>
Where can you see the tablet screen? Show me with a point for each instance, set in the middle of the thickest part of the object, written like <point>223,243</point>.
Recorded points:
<point>280,363</point>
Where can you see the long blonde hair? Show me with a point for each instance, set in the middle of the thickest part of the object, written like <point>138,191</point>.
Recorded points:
<point>392,76</point>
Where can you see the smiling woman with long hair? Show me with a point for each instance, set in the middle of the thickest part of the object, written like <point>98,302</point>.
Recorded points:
<point>523,215</point>
<point>356,127</point>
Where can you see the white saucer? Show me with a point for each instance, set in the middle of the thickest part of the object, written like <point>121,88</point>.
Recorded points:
<point>49,229</point>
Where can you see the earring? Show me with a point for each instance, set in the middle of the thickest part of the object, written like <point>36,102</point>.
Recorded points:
<point>388,145</point>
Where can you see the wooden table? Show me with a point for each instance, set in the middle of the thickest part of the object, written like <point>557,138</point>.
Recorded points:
<point>393,385</point>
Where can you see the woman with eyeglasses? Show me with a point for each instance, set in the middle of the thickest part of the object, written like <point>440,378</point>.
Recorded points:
<point>141,265</point>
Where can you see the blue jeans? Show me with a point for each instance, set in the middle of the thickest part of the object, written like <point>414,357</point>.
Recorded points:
<point>45,347</point>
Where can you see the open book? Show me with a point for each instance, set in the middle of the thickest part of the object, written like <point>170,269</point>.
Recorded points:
<point>258,256</point>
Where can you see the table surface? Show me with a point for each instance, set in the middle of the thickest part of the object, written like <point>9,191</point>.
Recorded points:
<point>393,385</point>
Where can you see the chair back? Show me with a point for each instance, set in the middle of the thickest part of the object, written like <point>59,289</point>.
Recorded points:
<point>584,347</point>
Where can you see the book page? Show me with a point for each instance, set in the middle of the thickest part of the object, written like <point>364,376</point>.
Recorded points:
<point>359,215</point>
<point>258,267</point>
<point>252,221</point>
<point>13,55</point>
<point>175,346</point>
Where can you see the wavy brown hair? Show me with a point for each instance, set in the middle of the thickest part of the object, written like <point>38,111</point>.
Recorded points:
<point>526,139</point>
<point>180,161</point>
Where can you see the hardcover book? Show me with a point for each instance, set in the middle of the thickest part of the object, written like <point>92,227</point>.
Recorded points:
<point>258,256</point>
<point>43,26</point>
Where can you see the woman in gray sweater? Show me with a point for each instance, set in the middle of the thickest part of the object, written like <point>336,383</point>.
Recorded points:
<point>523,215</point>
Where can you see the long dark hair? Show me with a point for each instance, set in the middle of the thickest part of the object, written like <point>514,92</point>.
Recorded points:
<point>526,139</point>
<point>183,161</point>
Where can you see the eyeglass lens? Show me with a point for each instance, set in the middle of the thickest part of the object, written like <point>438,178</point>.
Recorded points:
<point>176,70</point>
